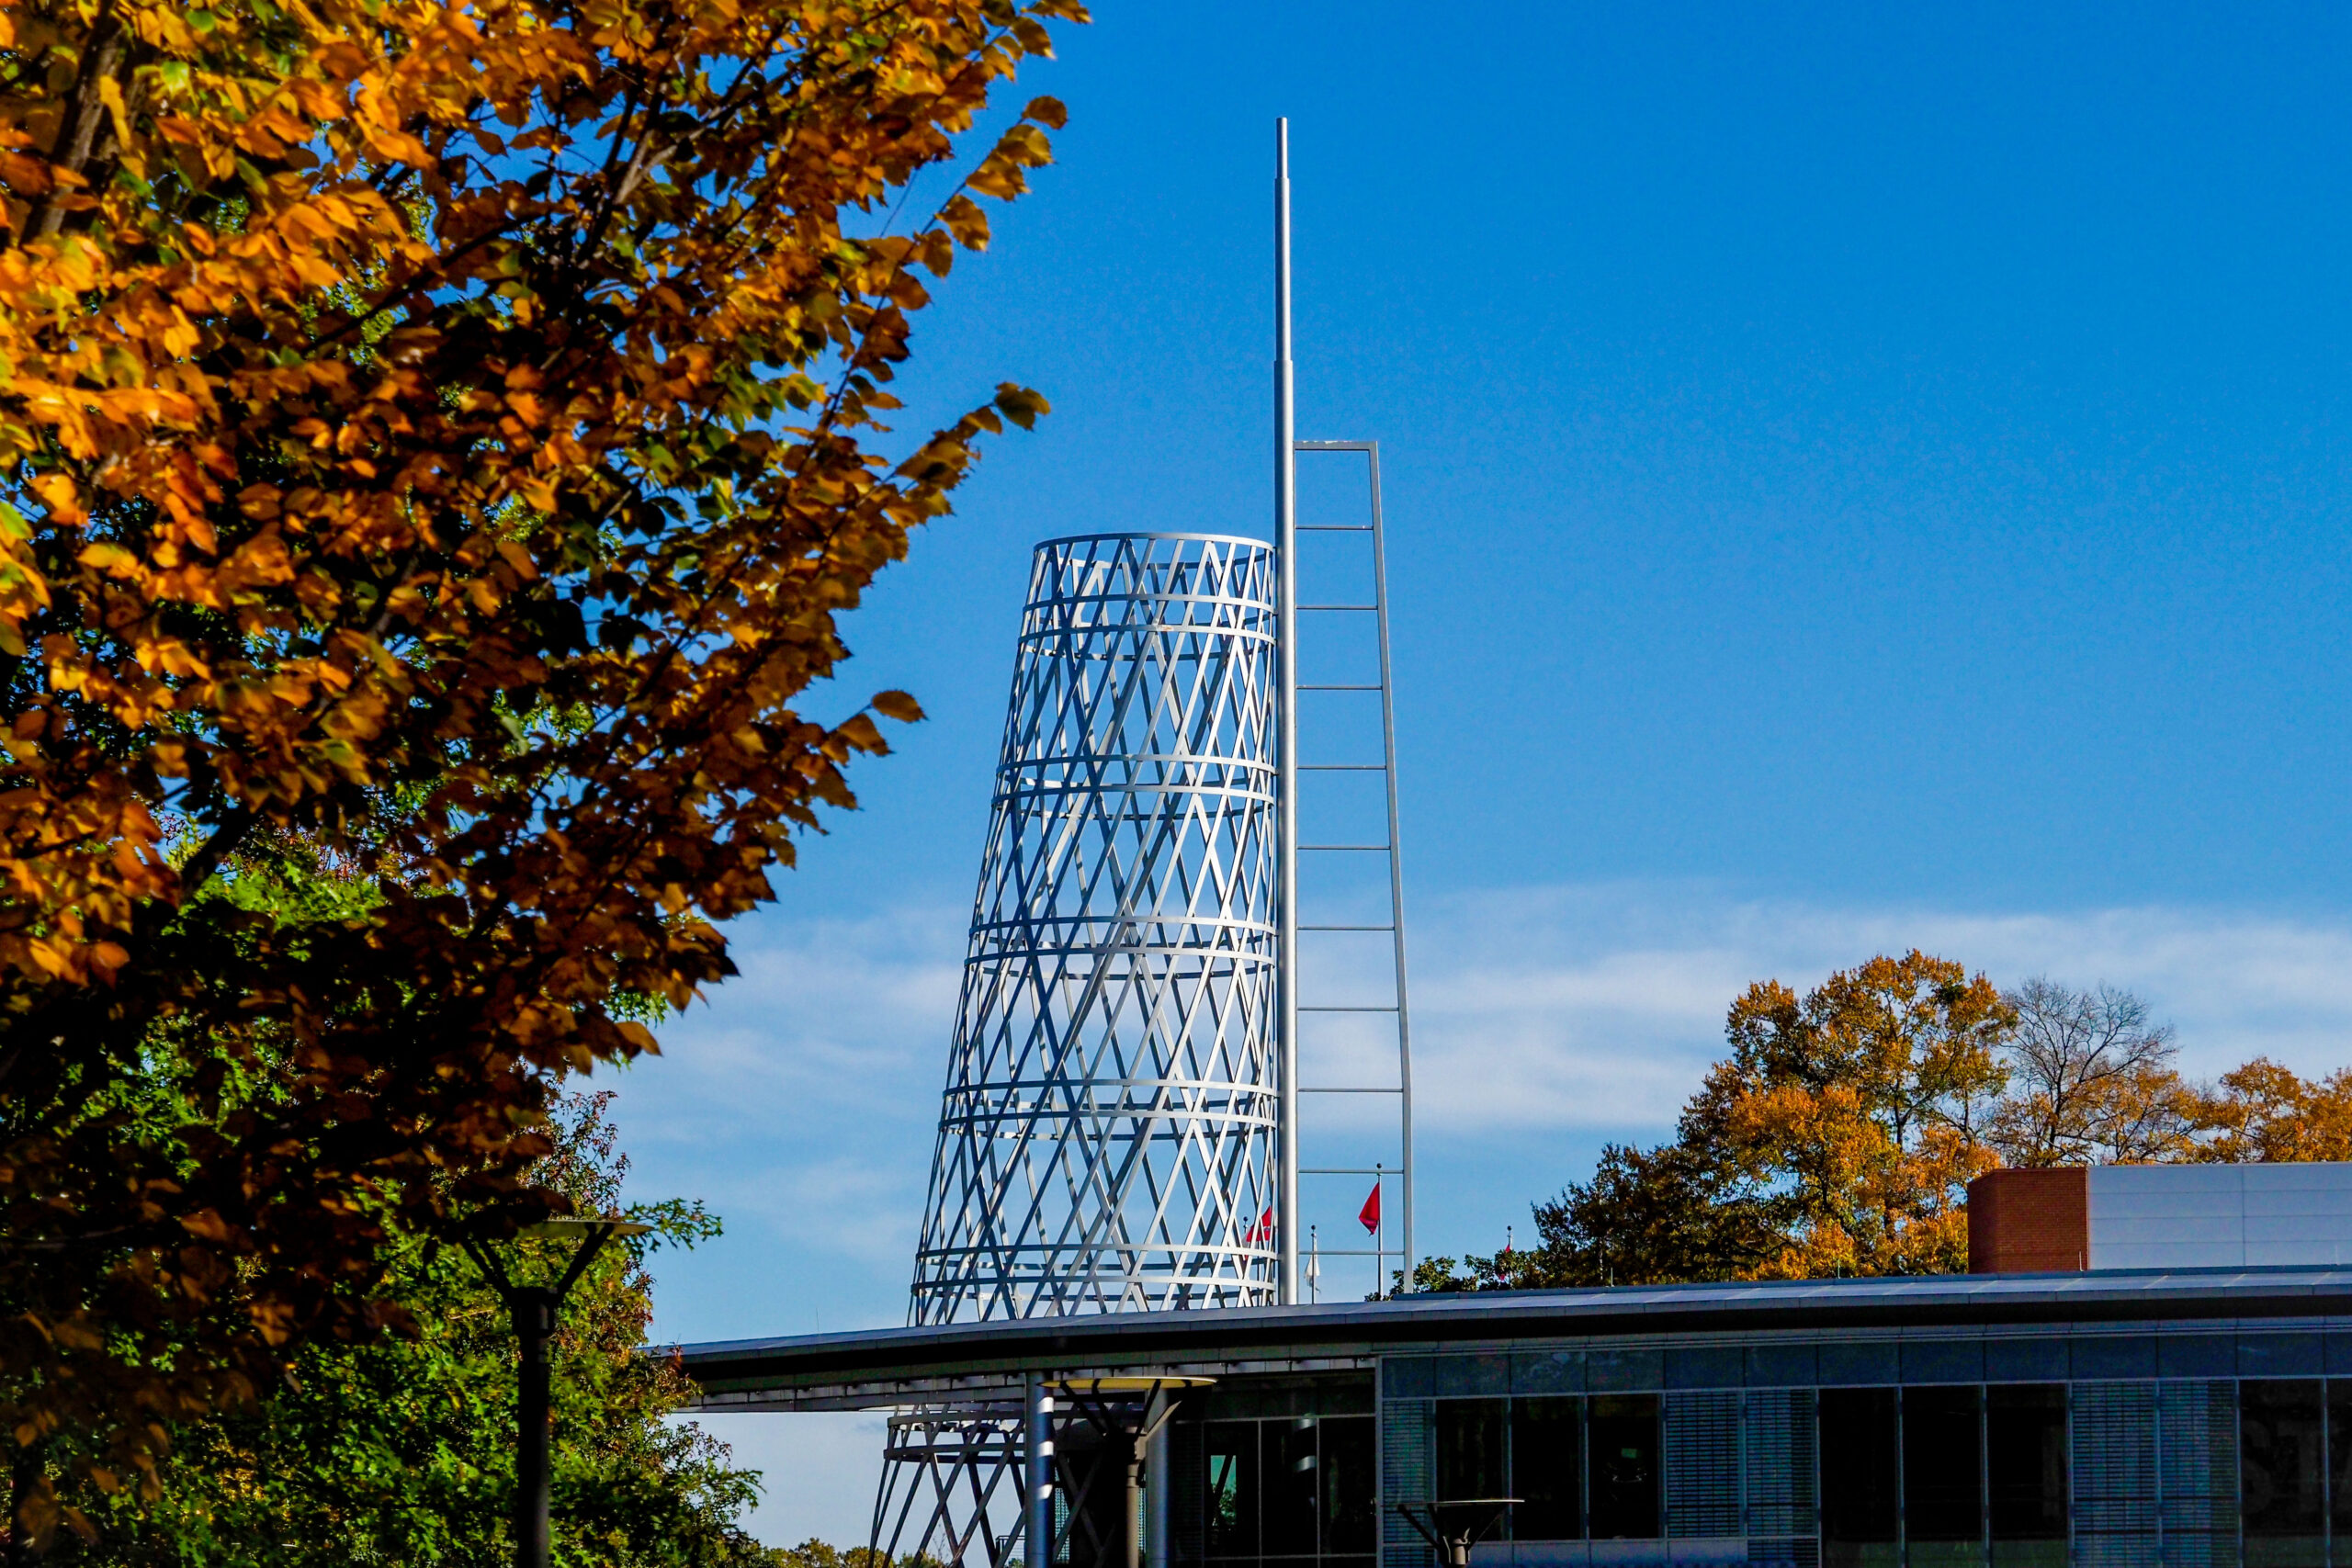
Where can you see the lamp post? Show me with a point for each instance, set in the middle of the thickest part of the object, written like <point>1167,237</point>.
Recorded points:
<point>534,1309</point>
<point>1456,1526</point>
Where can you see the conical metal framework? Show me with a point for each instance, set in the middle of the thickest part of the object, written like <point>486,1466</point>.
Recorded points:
<point>1109,1133</point>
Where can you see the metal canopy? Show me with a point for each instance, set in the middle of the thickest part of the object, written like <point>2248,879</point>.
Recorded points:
<point>899,1366</point>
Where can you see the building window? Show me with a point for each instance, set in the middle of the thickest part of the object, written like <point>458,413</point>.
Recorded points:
<point>1231,1495</point>
<point>2339,1468</point>
<point>2282,1439</point>
<point>1297,1490</point>
<point>1470,1448</point>
<point>1286,1484</point>
<point>1859,1470</point>
<point>1547,1469</point>
<point>2025,1456</point>
<point>1943,1476</point>
<point>1350,1484</point>
<point>1622,1476</point>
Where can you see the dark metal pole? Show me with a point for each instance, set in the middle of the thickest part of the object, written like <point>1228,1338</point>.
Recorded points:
<point>533,1310</point>
<point>1132,1525</point>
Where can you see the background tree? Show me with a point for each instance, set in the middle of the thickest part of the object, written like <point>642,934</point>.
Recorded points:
<point>2091,1081</point>
<point>1841,1135</point>
<point>815,1553</point>
<point>1652,1216</point>
<point>1852,1120</point>
<point>436,440</point>
<point>2262,1111</point>
<point>1838,1137</point>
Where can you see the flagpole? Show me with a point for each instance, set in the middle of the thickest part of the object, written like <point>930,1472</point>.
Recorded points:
<point>1286,781</point>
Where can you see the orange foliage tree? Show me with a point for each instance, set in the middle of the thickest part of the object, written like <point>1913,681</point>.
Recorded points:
<point>2263,1111</point>
<point>1855,1113</point>
<point>1841,1135</point>
<point>1838,1137</point>
<point>435,440</point>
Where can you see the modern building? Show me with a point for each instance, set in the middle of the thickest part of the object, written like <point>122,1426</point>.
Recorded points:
<point>2137,1417</point>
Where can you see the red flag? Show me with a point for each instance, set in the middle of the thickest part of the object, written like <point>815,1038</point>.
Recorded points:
<point>1262,1232</point>
<point>1370,1212</point>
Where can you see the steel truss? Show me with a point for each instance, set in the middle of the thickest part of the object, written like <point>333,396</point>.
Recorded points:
<point>1108,1135</point>
<point>949,1477</point>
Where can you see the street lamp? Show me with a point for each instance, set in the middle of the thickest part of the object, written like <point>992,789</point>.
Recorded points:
<point>533,1310</point>
<point>1454,1526</point>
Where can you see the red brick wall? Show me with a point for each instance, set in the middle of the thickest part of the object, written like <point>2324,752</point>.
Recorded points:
<point>2030,1222</point>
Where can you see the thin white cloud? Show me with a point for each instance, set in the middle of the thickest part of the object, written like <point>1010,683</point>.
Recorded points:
<point>801,1096</point>
<point>1597,1007</point>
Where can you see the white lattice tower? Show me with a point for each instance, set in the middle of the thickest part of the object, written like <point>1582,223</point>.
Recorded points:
<point>1107,1138</point>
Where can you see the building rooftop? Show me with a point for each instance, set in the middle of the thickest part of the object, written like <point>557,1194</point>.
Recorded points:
<point>959,1362</point>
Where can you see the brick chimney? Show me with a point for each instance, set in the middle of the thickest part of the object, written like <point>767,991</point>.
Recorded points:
<point>2030,1222</point>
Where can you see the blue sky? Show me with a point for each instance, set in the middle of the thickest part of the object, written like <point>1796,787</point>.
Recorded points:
<point>1857,477</point>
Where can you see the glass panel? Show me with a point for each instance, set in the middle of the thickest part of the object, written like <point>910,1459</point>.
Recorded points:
<point>2024,1451</point>
<point>1943,1477</point>
<point>1858,1478</point>
<point>2340,1454</point>
<point>1781,1449</point>
<point>1624,1466</point>
<point>2197,1471</point>
<point>2282,1459</point>
<point>1943,1467</point>
<point>1349,1483</point>
<point>1703,1465</point>
<point>1408,1448</point>
<point>1288,1486</point>
<point>1547,1469</point>
<point>1230,1498</point>
<point>1470,1448</point>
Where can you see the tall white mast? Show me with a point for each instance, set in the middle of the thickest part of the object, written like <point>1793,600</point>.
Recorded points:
<point>1286,542</point>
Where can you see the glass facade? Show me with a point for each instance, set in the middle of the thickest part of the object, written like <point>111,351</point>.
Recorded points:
<point>1290,1490</point>
<point>2200,1450</point>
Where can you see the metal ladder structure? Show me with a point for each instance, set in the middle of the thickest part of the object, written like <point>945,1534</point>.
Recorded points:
<point>1388,846</point>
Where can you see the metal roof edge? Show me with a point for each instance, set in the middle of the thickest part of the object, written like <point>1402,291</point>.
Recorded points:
<point>1427,1321</point>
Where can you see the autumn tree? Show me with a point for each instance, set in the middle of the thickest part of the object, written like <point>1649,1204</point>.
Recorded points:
<point>435,440</point>
<point>815,1553</point>
<point>1857,1113</point>
<point>2263,1111</point>
<point>2092,1081</point>
<point>1838,1137</point>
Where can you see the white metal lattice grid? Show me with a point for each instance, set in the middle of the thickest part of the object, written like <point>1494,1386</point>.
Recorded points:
<point>1110,1124</point>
